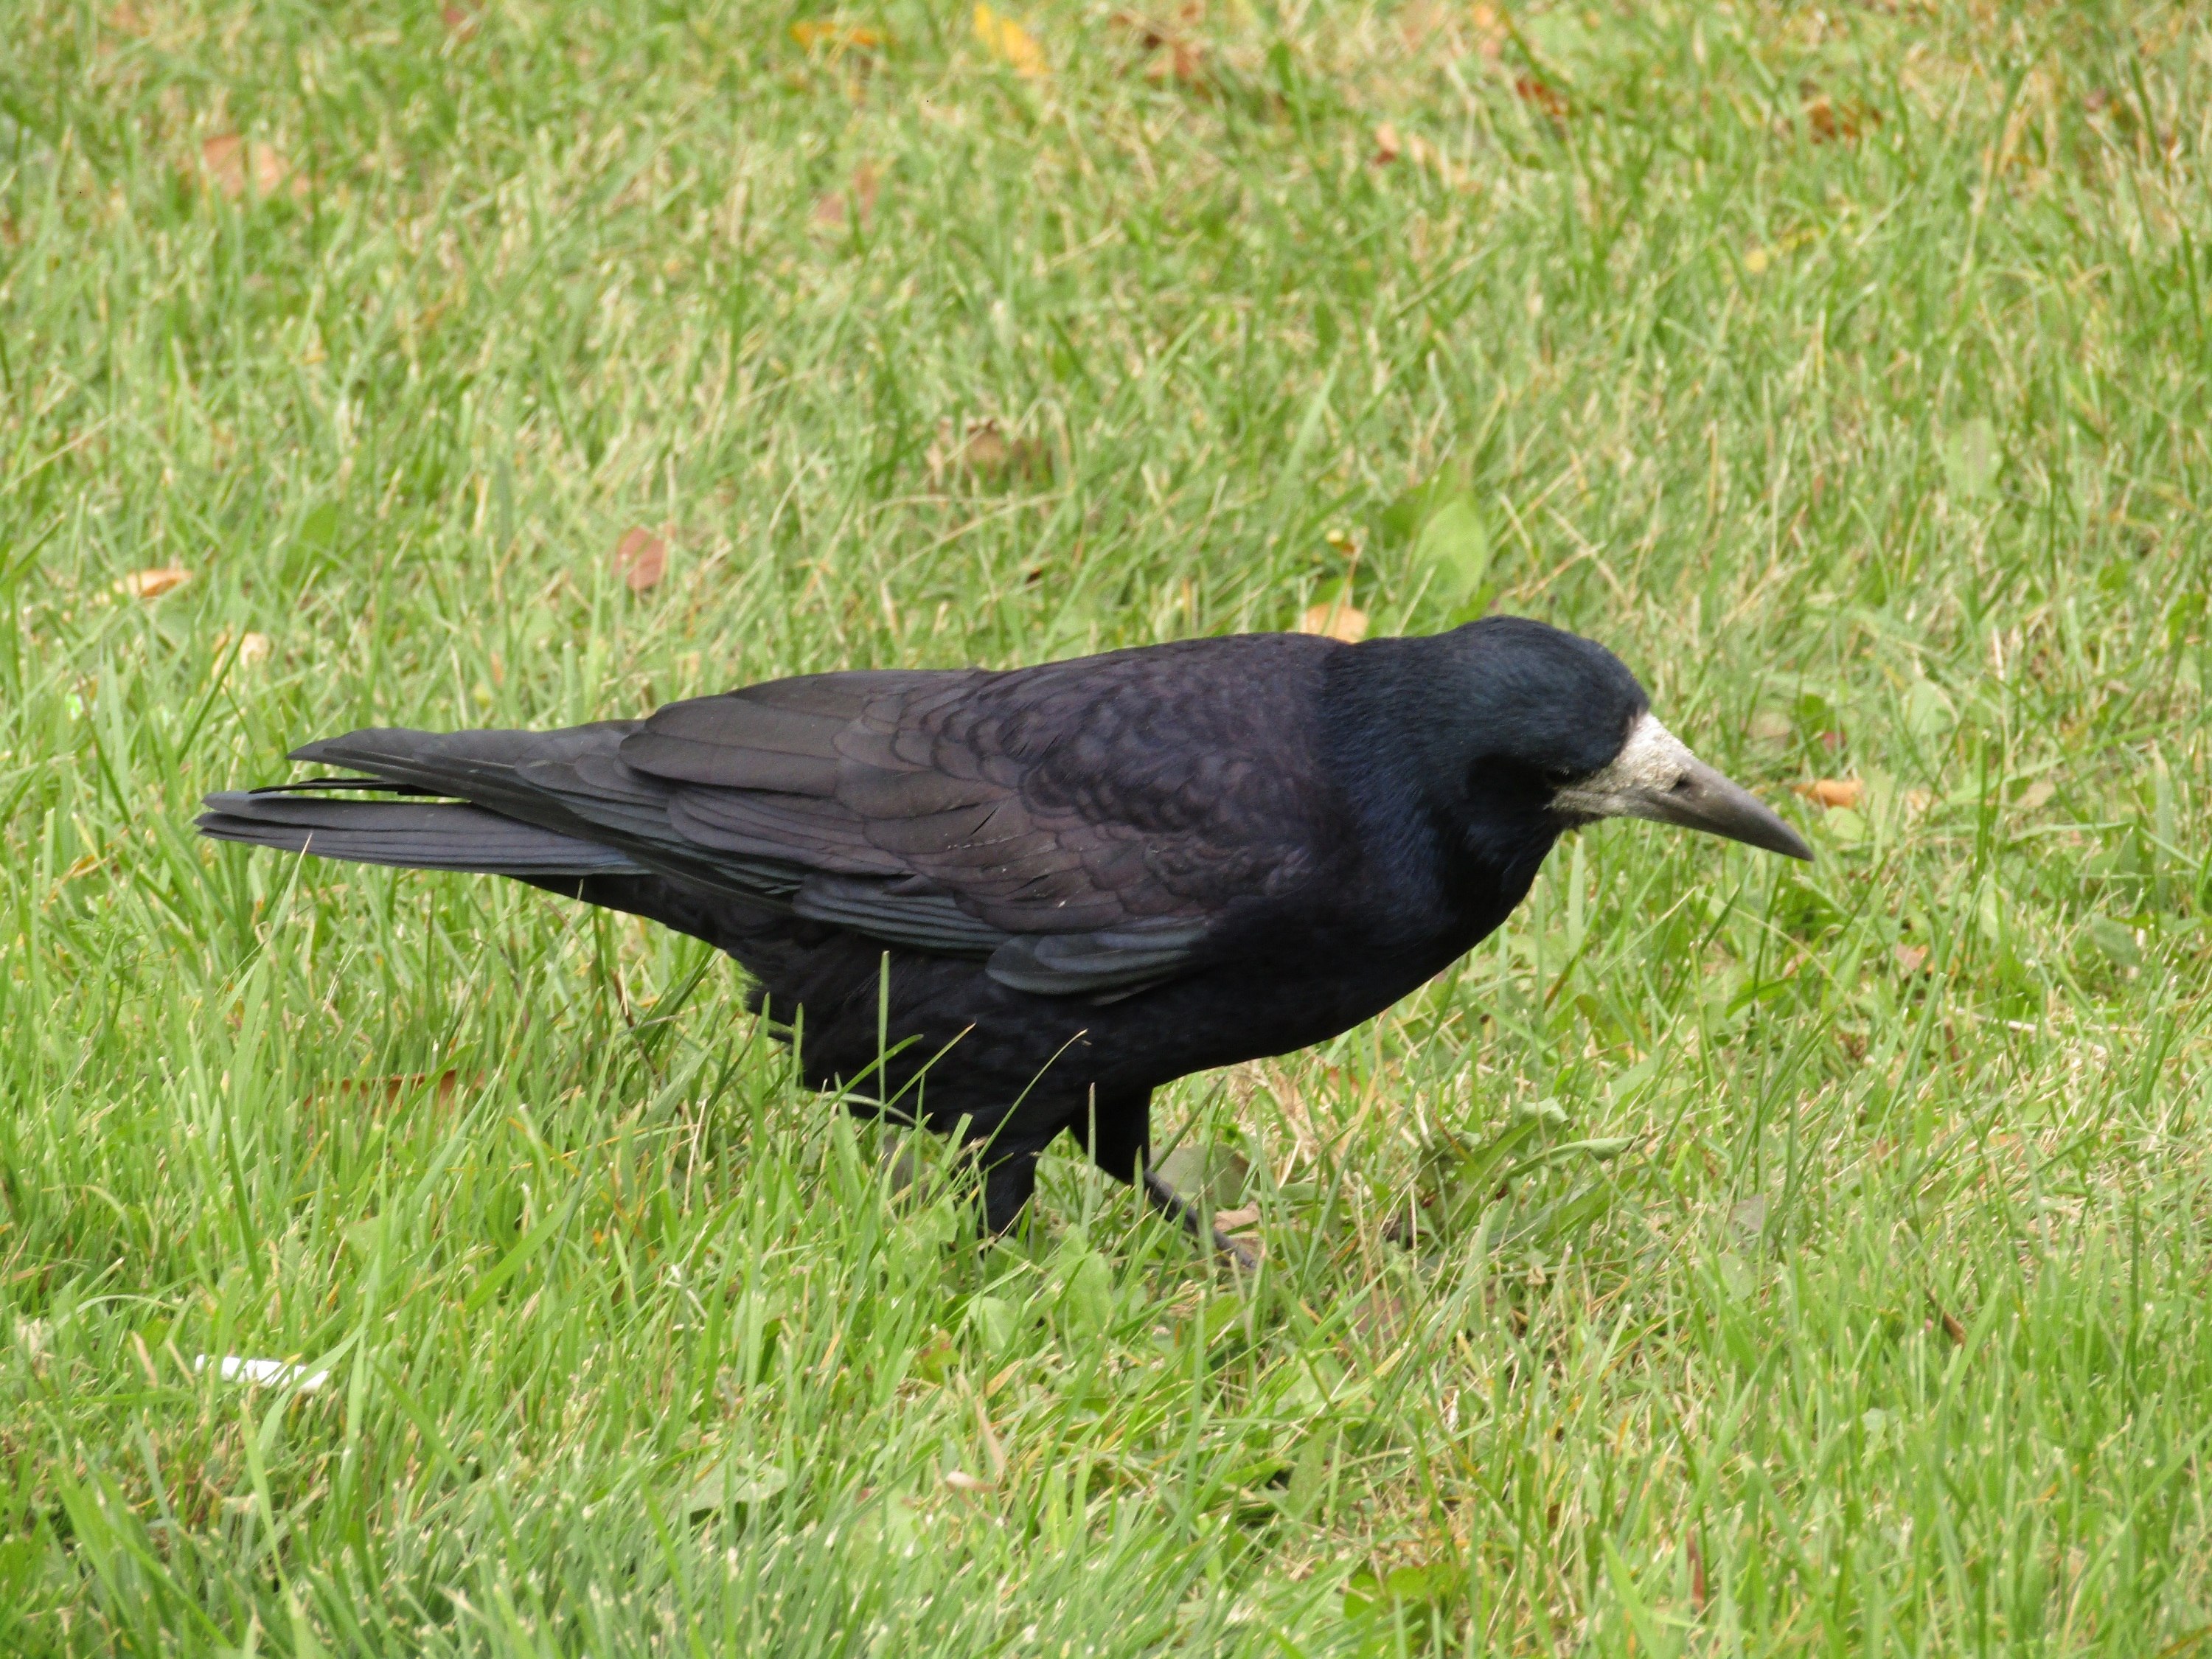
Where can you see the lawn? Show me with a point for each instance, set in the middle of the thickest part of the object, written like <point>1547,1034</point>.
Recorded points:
<point>1726,1257</point>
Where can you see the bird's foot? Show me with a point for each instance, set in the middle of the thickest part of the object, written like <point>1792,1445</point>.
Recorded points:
<point>1174,1204</point>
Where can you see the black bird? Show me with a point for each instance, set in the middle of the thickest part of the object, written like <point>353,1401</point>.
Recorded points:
<point>1057,887</point>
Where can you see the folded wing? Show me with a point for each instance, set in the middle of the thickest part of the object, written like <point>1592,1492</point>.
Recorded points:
<point>1085,827</point>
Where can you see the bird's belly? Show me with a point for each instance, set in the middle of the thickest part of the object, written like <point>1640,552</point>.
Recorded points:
<point>1255,1010</point>
<point>968,1046</point>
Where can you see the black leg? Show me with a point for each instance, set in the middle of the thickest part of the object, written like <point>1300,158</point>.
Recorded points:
<point>1009,1179</point>
<point>1117,1130</point>
<point>1179,1209</point>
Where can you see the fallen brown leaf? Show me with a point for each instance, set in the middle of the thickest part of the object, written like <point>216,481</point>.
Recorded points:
<point>1909,958</point>
<point>1175,55</point>
<point>985,453</point>
<point>858,199</point>
<point>447,1086</point>
<point>1010,43</point>
<point>231,162</point>
<point>1230,1220</point>
<point>1149,34</point>
<point>1388,147</point>
<point>641,559</point>
<point>1831,791</point>
<point>1949,1320</point>
<point>1543,96</point>
<point>1178,60</point>
<point>459,19</point>
<point>1830,122</point>
<point>1336,619</point>
<point>152,584</point>
<point>986,450</point>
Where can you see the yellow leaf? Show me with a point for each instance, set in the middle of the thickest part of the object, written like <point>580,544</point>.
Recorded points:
<point>254,649</point>
<point>1831,791</point>
<point>1757,259</point>
<point>152,584</point>
<point>1009,42</point>
<point>1336,619</point>
<point>812,32</point>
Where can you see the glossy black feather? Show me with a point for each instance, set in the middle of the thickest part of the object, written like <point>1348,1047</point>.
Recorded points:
<point>1085,878</point>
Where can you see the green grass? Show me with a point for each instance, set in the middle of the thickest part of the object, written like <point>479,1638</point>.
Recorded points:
<point>1848,372</point>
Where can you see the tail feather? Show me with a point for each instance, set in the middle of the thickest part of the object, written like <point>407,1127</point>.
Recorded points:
<point>482,766</point>
<point>411,834</point>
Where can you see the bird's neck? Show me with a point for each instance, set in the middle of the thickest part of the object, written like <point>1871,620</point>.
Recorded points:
<point>1458,860</point>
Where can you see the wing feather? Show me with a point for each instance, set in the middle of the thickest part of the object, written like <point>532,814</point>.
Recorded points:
<point>1086,824</point>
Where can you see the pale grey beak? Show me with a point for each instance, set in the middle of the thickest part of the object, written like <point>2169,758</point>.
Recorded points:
<point>1654,777</point>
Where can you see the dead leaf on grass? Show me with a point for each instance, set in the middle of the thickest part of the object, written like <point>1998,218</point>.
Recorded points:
<point>985,454</point>
<point>1390,145</point>
<point>1182,61</point>
<point>230,163</point>
<point>393,1088</point>
<point>1337,619</point>
<point>1543,96</point>
<point>1911,959</point>
<point>857,200</point>
<point>1832,792</point>
<point>1010,43</point>
<point>459,19</point>
<point>1756,260</point>
<point>152,584</point>
<point>1831,123</point>
<point>1948,1319</point>
<point>1175,55</point>
<point>641,559</point>
<point>252,649</point>
<point>812,32</point>
<point>1490,35</point>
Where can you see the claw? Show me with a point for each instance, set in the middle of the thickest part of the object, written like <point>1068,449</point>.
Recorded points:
<point>1172,1204</point>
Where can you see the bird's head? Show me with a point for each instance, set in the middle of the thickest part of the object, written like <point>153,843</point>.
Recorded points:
<point>1539,731</point>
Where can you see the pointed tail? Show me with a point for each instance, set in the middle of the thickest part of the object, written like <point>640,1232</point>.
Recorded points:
<point>413,834</point>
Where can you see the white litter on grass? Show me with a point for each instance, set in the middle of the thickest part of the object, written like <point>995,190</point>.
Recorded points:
<point>231,1368</point>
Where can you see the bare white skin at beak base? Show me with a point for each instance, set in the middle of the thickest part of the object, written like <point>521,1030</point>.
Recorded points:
<point>1656,776</point>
